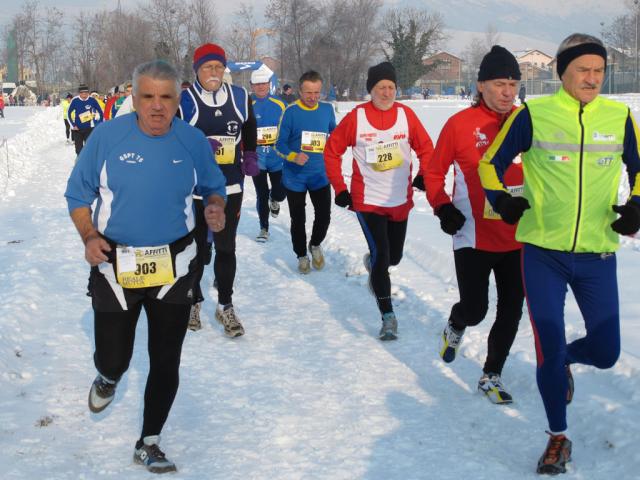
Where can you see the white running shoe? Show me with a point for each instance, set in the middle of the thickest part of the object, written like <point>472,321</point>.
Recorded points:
<point>194,317</point>
<point>304,266</point>
<point>317,257</point>
<point>228,318</point>
<point>491,385</point>
<point>263,236</point>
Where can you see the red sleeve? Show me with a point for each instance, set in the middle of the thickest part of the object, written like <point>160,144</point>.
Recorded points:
<point>438,167</point>
<point>419,139</point>
<point>342,137</point>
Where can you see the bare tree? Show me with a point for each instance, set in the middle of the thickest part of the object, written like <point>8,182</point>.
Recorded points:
<point>472,55</point>
<point>240,38</point>
<point>169,21</point>
<point>203,24</point>
<point>86,45</point>
<point>347,39</point>
<point>295,22</point>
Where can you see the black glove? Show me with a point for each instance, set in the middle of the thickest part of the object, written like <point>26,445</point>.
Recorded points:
<point>418,183</point>
<point>629,221</point>
<point>451,219</point>
<point>343,199</point>
<point>511,208</point>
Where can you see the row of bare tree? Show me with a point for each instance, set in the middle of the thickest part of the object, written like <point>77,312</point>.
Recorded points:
<point>338,38</point>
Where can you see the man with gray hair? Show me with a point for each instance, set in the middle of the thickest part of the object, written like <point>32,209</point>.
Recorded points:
<point>574,144</point>
<point>143,169</point>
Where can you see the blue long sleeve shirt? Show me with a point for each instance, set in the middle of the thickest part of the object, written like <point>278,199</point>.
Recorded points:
<point>143,184</point>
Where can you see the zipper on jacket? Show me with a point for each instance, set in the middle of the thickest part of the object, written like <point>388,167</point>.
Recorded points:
<point>575,237</point>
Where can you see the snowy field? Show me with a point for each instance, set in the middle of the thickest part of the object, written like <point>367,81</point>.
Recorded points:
<point>309,392</point>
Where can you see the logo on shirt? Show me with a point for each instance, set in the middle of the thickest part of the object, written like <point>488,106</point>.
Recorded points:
<point>232,128</point>
<point>605,161</point>
<point>481,138</point>
<point>369,136</point>
<point>217,113</point>
<point>176,161</point>
<point>399,136</point>
<point>603,137</point>
<point>131,158</point>
<point>559,158</point>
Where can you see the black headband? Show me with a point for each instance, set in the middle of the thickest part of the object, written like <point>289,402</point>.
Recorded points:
<point>566,56</point>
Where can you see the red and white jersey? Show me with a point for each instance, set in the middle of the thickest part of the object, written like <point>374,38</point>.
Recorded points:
<point>381,143</point>
<point>384,181</point>
<point>462,142</point>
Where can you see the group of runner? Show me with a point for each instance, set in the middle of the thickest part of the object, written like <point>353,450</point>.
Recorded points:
<point>83,112</point>
<point>544,175</point>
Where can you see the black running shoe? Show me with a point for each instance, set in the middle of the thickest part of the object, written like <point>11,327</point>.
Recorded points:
<point>274,208</point>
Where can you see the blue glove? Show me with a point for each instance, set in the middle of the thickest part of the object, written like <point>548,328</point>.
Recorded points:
<point>249,164</point>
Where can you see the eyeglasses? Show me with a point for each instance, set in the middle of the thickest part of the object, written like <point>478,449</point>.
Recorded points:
<point>211,68</point>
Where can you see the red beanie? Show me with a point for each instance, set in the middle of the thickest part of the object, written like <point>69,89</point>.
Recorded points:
<point>207,52</point>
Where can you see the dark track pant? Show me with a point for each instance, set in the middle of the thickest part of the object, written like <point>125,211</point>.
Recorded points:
<point>114,338</point>
<point>321,200</point>
<point>473,269</point>
<point>263,193</point>
<point>592,278</point>
<point>224,263</point>
<point>80,137</point>
<point>67,128</point>
<point>386,245</point>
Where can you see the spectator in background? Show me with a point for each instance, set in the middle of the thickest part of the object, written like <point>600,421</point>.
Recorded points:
<point>108,108</point>
<point>522,93</point>
<point>287,94</point>
<point>1,105</point>
<point>65,109</point>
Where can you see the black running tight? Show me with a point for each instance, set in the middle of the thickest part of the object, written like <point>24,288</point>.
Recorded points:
<point>114,338</point>
<point>321,200</point>
<point>386,245</point>
<point>473,269</point>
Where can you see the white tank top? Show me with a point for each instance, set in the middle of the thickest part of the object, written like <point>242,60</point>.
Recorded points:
<point>384,160</point>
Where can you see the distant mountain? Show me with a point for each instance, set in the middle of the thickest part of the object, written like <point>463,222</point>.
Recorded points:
<point>459,40</point>
<point>548,20</point>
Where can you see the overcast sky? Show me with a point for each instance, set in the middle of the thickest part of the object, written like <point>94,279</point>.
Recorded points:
<point>546,21</point>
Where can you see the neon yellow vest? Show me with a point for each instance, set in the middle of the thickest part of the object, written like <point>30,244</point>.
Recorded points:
<point>572,173</point>
<point>65,107</point>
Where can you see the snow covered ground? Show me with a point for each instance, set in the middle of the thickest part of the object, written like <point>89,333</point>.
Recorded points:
<point>308,392</point>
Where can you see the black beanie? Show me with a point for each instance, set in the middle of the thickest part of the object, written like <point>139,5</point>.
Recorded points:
<point>382,71</point>
<point>499,63</point>
<point>83,88</point>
